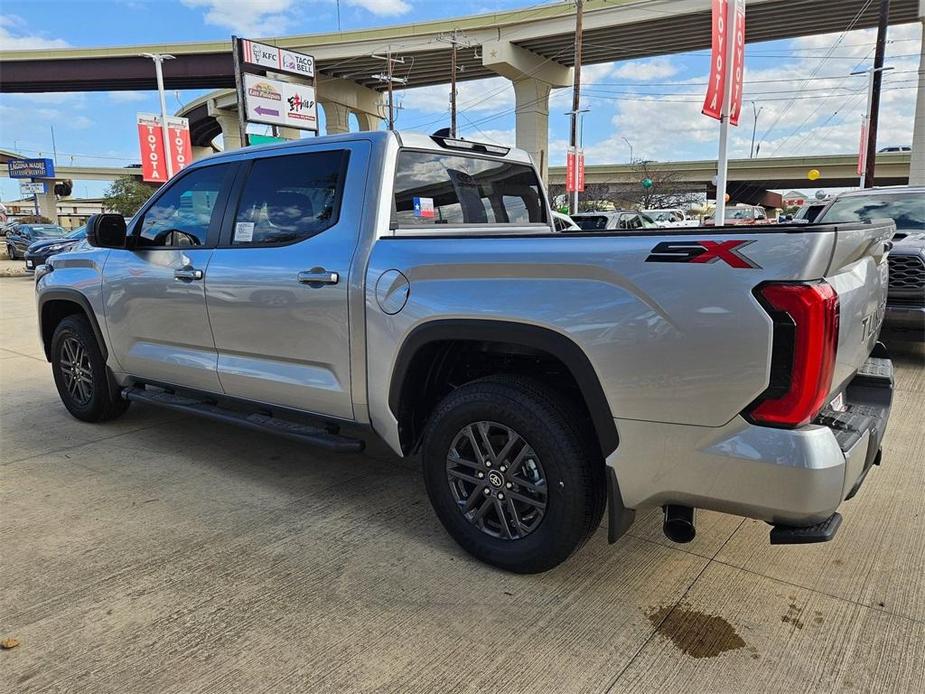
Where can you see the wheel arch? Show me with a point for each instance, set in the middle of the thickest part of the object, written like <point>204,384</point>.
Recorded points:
<point>57,304</point>
<point>423,356</point>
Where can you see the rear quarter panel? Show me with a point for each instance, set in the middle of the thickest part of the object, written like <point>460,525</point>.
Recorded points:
<point>672,342</point>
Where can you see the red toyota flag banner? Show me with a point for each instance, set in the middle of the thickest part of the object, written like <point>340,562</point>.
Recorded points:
<point>737,69</point>
<point>580,172</point>
<point>571,177</point>
<point>181,149</point>
<point>151,141</point>
<point>713,102</point>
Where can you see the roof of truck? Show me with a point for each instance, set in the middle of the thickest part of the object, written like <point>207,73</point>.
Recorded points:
<point>411,140</point>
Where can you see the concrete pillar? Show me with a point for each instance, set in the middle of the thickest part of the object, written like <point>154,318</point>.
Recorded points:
<point>368,121</point>
<point>336,118</point>
<point>231,131</point>
<point>533,77</point>
<point>917,165</point>
<point>48,203</point>
<point>201,152</point>
<point>531,98</point>
<point>288,133</point>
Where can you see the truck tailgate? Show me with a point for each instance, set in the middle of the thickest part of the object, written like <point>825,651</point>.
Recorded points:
<point>858,273</point>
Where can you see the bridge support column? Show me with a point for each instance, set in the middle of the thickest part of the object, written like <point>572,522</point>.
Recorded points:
<point>288,133</point>
<point>368,121</point>
<point>48,202</point>
<point>531,98</point>
<point>336,118</point>
<point>533,77</point>
<point>231,132</point>
<point>917,165</point>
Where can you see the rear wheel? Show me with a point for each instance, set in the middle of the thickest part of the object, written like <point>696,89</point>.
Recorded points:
<point>11,252</point>
<point>512,474</point>
<point>80,372</point>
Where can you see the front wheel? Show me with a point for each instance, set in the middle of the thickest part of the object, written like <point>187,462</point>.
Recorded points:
<point>11,252</point>
<point>512,474</point>
<point>80,372</point>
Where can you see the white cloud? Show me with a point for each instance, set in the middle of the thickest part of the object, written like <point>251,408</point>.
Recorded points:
<point>247,17</point>
<point>12,37</point>
<point>127,97</point>
<point>492,94</point>
<point>798,116</point>
<point>382,8</point>
<point>641,70</point>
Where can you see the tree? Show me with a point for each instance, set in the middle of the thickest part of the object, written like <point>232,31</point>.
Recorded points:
<point>666,190</point>
<point>127,194</point>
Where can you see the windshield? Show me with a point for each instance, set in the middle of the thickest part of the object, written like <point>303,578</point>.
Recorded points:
<point>78,233</point>
<point>46,230</point>
<point>740,213</point>
<point>662,216</point>
<point>591,222</point>
<point>908,211</point>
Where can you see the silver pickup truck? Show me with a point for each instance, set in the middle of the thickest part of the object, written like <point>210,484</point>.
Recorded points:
<point>416,286</point>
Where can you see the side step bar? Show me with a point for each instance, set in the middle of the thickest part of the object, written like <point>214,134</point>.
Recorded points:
<point>304,433</point>
<point>793,535</point>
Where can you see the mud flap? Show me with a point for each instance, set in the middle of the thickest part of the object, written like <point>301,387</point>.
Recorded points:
<point>619,518</point>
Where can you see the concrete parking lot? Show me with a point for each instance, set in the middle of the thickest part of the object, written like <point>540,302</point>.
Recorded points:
<point>160,553</point>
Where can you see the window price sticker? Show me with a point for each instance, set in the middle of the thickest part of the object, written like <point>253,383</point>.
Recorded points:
<point>243,232</point>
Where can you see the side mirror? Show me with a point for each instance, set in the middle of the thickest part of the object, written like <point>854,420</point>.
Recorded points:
<point>106,231</point>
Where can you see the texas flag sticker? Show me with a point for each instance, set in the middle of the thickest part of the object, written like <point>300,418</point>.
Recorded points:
<point>424,207</point>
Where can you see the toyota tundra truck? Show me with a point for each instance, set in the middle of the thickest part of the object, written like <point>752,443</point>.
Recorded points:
<point>415,285</point>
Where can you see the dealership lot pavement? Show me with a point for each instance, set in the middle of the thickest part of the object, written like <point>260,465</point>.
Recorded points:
<point>161,553</point>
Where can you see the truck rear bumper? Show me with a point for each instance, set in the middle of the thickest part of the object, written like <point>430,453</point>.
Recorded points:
<point>793,477</point>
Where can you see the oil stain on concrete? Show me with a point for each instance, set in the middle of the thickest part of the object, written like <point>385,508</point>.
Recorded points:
<point>696,633</point>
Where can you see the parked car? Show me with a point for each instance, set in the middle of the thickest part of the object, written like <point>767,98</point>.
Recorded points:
<point>905,205</point>
<point>562,222</point>
<point>896,148</point>
<point>626,220</point>
<point>40,251</point>
<point>809,212</point>
<point>416,286</point>
<point>736,215</point>
<point>21,236</point>
<point>672,217</point>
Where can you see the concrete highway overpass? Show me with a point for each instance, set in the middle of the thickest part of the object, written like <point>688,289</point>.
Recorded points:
<point>750,180</point>
<point>533,47</point>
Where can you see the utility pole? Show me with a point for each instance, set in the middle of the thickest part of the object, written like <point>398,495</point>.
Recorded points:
<point>159,59</point>
<point>455,39</point>
<point>390,80</point>
<point>876,83</point>
<point>751,151</point>
<point>576,98</point>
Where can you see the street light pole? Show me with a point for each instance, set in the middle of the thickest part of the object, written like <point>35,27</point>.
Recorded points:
<point>751,152</point>
<point>159,59</point>
<point>576,98</point>
<point>630,145</point>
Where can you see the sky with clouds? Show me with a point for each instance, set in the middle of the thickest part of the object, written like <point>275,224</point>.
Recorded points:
<point>806,99</point>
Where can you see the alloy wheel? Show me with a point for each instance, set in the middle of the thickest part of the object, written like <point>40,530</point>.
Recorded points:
<point>497,480</point>
<point>77,371</point>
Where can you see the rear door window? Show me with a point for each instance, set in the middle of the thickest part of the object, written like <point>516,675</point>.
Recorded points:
<point>591,222</point>
<point>290,198</point>
<point>432,188</point>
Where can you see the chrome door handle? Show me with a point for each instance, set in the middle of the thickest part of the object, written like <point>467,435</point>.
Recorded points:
<point>319,276</point>
<point>188,274</point>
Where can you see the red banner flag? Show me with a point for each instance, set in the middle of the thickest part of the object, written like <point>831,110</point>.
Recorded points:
<point>580,172</point>
<point>181,149</point>
<point>737,69</point>
<point>151,141</point>
<point>716,86</point>
<point>570,172</point>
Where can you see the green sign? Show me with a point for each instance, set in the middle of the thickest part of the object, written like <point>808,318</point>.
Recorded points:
<point>264,139</point>
<point>646,183</point>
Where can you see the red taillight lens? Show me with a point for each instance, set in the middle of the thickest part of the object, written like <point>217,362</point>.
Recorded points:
<point>805,341</point>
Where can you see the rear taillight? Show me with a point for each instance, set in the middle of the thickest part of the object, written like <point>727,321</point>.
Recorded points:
<point>803,355</point>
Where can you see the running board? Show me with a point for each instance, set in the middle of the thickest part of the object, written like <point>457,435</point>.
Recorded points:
<point>304,433</point>
<point>801,535</point>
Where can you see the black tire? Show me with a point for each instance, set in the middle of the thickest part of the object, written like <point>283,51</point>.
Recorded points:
<point>11,252</point>
<point>568,457</point>
<point>92,398</point>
